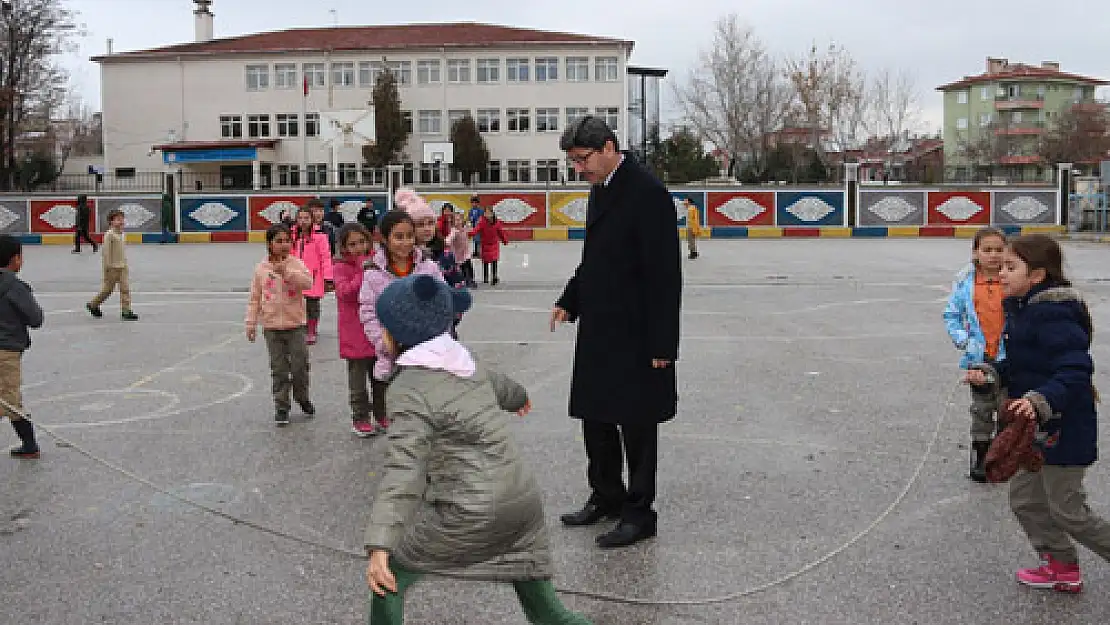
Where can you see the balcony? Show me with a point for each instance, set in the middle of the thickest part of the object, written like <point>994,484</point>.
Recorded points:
<point>1020,160</point>
<point>1020,129</point>
<point>1008,103</point>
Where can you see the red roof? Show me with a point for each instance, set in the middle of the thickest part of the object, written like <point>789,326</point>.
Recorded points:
<point>354,38</point>
<point>184,146</point>
<point>1019,71</point>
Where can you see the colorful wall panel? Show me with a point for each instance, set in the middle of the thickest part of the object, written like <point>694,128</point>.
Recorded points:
<point>517,210</point>
<point>959,208</point>
<point>697,197</point>
<point>740,208</point>
<point>140,214</point>
<point>213,213</point>
<point>461,201</point>
<point>266,210</point>
<point>350,204</point>
<point>58,215</point>
<point>809,208</point>
<point>13,216</point>
<point>1024,207</point>
<point>880,207</point>
<point>568,208</point>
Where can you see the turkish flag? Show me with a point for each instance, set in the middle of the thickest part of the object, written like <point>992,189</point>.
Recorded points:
<point>306,86</point>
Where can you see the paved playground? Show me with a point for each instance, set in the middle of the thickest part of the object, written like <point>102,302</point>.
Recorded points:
<point>815,471</point>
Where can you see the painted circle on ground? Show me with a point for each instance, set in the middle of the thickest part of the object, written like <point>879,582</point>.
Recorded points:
<point>104,404</point>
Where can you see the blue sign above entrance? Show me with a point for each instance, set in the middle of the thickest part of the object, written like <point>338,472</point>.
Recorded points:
<point>210,155</point>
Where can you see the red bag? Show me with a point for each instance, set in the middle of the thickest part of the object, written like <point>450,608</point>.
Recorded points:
<point>1014,448</point>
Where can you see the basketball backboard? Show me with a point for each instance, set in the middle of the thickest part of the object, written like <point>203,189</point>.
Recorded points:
<point>442,152</point>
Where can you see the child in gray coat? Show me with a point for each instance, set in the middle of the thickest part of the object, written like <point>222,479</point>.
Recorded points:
<point>456,498</point>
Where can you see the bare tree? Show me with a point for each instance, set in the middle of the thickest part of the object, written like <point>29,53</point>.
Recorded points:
<point>1078,135</point>
<point>734,96</point>
<point>829,97</point>
<point>895,110</point>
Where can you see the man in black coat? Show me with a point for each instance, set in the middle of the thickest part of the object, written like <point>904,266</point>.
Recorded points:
<point>81,226</point>
<point>625,296</point>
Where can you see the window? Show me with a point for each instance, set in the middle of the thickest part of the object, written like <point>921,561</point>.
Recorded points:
<point>547,120</point>
<point>961,97</point>
<point>343,74</point>
<point>430,122</point>
<point>407,173</point>
<point>961,123</point>
<point>258,77</point>
<point>458,70</point>
<point>372,176</point>
<point>428,71</point>
<point>573,175</point>
<point>985,93</point>
<point>231,126</point>
<point>1040,91</point>
<point>402,71</point>
<point>317,174</point>
<point>315,74</point>
<point>984,119</point>
<point>348,174</point>
<point>605,69</point>
<point>1016,117</point>
<point>489,120</point>
<point>1013,91</point>
<point>547,69</point>
<point>289,175</point>
<point>578,68</point>
<point>287,125</point>
<point>285,76</point>
<point>368,72</point>
<point>1077,94</point>
<point>312,125</point>
<point>519,171</point>
<point>575,113</point>
<point>518,120</point>
<point>454,116</point>
<point>493,172</point>
<point>489,70</point>
<point>125,172</point>
<point>516,70</point>
<point>258,126</point>
<point>611,115</point>
<point>547,171</point>
<point>406,119</point>
<point>430,173</point>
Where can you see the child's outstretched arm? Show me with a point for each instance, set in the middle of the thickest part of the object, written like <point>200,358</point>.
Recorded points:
<point>511,395</point>
<point>254,307</point>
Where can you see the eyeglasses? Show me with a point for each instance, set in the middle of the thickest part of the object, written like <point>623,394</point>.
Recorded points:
<point>581,159</point>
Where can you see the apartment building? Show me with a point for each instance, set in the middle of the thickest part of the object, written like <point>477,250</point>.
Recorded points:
<point>995,119</point>
<point>246,111</point>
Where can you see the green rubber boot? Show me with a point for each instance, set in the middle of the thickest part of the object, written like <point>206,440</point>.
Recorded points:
<point>542,605</point>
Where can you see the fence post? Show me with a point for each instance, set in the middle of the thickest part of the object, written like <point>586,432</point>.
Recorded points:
<point>851,186</point>
<point>1063,182</point>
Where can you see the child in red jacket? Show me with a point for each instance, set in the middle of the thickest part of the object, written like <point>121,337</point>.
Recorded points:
<point>492,238</point>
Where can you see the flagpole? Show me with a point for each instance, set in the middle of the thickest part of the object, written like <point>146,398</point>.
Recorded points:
<point>304,132</point>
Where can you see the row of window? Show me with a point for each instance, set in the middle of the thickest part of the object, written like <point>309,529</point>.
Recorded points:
<point>1014,117</point>
<point>990,92</point>
<point>428,121</point>
<point>352,174</point>
<point>435,71</point>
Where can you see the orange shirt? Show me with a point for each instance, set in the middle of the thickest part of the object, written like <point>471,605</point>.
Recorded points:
<point>403,271</point>
<point>988,308</point>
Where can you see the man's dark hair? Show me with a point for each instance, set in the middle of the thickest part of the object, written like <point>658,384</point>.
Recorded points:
<point>314,203</point>
<point>588,132</point>
<point>10,247</point>
<point>334,203</point>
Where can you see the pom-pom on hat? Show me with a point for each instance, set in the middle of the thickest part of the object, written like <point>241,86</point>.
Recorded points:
<point>419,308</point>
<point>408,200</point>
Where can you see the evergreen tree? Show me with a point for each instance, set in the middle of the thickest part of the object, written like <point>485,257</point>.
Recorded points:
<point>471,153</point>
<point>684,158</point>
<point>389,124</point>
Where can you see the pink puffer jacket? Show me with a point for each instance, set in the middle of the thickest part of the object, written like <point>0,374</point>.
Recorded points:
<point>353,344</point>
<point>374,280</point>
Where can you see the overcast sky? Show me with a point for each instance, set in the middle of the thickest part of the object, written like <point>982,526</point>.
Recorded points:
<point>938,40</point>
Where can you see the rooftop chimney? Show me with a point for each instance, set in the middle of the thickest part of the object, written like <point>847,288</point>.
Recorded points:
<point>204,20</point>
<point>1052,65</point>
<point>995,66</point>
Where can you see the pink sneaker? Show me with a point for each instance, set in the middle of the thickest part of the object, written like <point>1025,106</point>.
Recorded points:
<point>364,429</point>
<point>1052,574</point>
<point>383,423</point>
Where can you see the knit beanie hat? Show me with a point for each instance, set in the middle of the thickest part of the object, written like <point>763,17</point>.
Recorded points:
<point>419,308</point>
<point>409,200</point>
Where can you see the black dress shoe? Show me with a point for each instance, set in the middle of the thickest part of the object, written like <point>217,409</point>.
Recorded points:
<point>625,534</point>
<point>590,513</point>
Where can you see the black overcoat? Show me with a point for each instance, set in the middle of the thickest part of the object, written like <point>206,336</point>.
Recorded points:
<point>625,297</point>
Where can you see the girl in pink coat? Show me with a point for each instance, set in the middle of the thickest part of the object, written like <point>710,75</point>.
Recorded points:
<point>354,242</point>
<point>311,246</point>
<point>492,237</point>
<point>397,258</point>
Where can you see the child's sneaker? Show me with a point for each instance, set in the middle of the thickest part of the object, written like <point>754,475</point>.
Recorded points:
<point>307,408</point>
<point>281,418</point>
<point>127,315</point>
<point>383,423</point>
<point>364,429</point>
<point>25,452</point>
<point>1052,574</point>
<point>94,310</point>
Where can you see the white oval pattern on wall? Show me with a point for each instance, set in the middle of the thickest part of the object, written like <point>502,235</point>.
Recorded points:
<point>959,208</point>
<point>7,218</point>
<point>513,210</point>
<point>892,208</point>
<point>60,216</point>
<point>350,209</point>
<point>741,209</point>
<point>135,215</point>
<point>272,212</point>
<point>212,214</point>
<point>1025,208</point>
<point>810,209</point>
<point>575,209</point>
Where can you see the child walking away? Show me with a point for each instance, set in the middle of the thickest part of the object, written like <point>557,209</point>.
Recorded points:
<point>277,301</point>
<point>397,258</point>
<point>18,311</point>
<point>115,270</point>
<point>459,244</point>
<point>310,245</point>
<point>354,246</point>
<point>974,320</point>
<point>693,227</point>
<point>81,228</point>
<point>455,498</point>
<point>1047,371</point>
<point>493,237</point>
